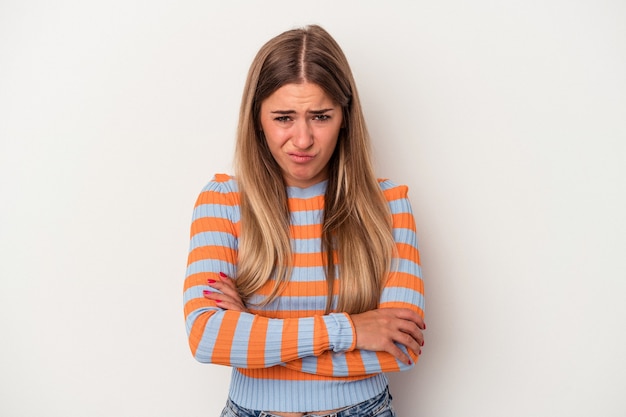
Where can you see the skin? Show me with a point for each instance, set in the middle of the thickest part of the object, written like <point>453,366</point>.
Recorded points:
<point>301,125</point>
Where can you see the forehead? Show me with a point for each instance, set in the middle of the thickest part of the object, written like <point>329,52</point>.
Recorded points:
<point>301,96</point>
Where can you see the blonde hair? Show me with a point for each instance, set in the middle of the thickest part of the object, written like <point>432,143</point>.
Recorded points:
<point>357,221</point>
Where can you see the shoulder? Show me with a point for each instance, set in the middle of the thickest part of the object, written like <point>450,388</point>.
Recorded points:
<point>222,189</point>
<point>392,190</point>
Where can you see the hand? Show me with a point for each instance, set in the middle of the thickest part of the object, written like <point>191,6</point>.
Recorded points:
<point>228,298</point>
<point>378,329</point>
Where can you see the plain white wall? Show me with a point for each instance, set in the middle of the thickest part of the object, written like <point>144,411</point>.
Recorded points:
<point>506,119</point>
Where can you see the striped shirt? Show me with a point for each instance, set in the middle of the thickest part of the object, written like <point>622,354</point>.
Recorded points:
<point>289,355</point>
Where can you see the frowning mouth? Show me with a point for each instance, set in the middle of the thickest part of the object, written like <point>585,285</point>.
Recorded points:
<point>300,157</point>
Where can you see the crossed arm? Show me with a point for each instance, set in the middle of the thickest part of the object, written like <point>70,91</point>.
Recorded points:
<point>223,330</point>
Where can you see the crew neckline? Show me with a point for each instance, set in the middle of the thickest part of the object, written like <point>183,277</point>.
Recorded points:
<point>307,192</point>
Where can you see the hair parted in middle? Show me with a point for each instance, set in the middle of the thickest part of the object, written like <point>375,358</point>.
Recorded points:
<point>356,231</point>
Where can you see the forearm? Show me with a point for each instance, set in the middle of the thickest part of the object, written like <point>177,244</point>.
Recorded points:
<point>246,340</point>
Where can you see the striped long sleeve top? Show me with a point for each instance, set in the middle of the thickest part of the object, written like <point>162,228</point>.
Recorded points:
<point>289,355</point>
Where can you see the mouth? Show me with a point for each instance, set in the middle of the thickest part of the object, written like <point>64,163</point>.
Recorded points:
<point>300,157</point>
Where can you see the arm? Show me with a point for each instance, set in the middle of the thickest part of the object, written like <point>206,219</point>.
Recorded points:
<point>404,290</point>
<point>238,338</point>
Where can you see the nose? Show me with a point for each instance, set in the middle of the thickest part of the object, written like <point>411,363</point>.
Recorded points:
<point>302,135</point>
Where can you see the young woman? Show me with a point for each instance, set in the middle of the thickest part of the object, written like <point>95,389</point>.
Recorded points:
<point>303,271</point>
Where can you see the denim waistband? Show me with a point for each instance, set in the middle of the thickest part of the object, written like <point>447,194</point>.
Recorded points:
<point>363,409</point>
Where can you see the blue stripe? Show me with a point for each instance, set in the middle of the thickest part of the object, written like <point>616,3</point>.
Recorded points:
<point>213,238</point>
<point>401,294</point>
<point>309,365</point>
<point>340,364</point>
<point>399,206</point>
<point>219,211</point>
<point>409,267</point>
<point>284,303</point>
<point>306,245</point>
<point>196,292</point>
<point>370,362</point>
<point>209,265</point>
<point>241,340</point>
<point>273,338</point>
<point>305,218</point>
<point>407,236</point>
<point>207,343</point>
<point>305,335</point>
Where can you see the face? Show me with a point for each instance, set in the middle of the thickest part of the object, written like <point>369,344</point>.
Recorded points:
<point>301,125</point>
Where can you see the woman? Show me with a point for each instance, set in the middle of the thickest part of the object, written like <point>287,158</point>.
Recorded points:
<point>303,271</point>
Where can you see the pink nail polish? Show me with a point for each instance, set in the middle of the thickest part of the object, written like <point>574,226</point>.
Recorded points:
<point>211,281</point>
<point>410,362</point>
<point>223,275</point>
<point>218,301</point>
<point>206,292</point>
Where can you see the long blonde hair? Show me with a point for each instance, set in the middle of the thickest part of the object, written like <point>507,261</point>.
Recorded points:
<point>357,221</point>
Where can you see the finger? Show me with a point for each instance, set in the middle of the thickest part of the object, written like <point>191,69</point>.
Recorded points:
<point>225,301</point>
<point>411,329</point>
<point>397,353</point>
<point>224,285</point>
<point>410,315</point>
<point>228,305</point>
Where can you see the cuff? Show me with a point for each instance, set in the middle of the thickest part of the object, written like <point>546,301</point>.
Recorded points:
<point>340,330</point>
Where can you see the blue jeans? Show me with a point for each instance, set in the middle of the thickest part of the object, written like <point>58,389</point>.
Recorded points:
<point>378,406</point>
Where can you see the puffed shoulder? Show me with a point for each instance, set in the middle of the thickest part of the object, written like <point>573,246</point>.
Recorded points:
<point>222,189</point>
<point>223,183</point>
<point>392,190</point>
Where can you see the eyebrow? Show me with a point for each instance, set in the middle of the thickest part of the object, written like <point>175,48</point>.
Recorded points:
<point>322,111</point>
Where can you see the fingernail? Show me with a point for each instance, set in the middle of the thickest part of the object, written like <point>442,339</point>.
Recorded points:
<point>206,292</point>
<point>211,281</point>
<point>410,363</point>
<point>223,275</point>
<point>218,301</point>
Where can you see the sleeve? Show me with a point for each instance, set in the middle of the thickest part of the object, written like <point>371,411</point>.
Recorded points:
<point>235,338</point>
<point>404,289</point>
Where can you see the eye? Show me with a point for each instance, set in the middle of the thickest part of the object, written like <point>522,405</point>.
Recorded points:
<point>282,119</point>
<point>321,117</point>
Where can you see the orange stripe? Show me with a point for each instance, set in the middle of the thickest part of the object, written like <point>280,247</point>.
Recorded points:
<point>387,362</point>
<point>199,278</point>
<point>320,336</point>
<point>325,364</point>
<point>410,252</point>
<point>355,363</point>
<point>222,253</point>
<point>402,279</point>
<point>211,224</point>
<point>398,304</point>
<point>215,197</point>
<point>306,231</point>
<point>256,343</point>
<point>404,221</point>
<point>197,303</point>
<point>225,336</point>
<point>222,177</point>
<point>308,259</point>
<point>289,342</point>
<point>197,330</point>
<point>291,372</point>
<point>302,204</point>
<point>304,289</point>
<point>396,193</point>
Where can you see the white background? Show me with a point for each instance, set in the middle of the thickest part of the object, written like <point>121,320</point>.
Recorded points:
<point>506,119</point>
